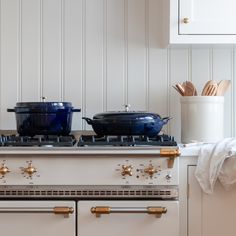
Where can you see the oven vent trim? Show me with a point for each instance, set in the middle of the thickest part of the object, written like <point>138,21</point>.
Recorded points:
<point>90,193</point>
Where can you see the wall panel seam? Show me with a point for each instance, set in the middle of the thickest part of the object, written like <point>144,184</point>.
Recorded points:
<point>41,51</point>
<point>125,84</point>
<point>211,74</point>
<point>190,64</point>
<point>104,69</point>
<point>19,52</point>
<point>147,44</point>
<point>233,133</point>
<point>1,62</point>
<point>168,76</point>
<point>62,61</point>
<point>83,66</point>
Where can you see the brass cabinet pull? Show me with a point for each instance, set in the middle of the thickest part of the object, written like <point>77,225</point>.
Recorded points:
<point>153,210</point>
<point>185,20</point>
<point>66,211</point>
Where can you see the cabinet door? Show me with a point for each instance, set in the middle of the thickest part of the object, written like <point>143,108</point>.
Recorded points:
<point>128,223</point>
<point>37,218</point>
<point>207,17</point>
<point>210,215</point>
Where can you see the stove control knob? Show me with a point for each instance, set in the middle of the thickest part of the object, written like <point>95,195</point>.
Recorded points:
<point>127,170</point>
<point>150,170</point>
<point>30,170</point>
<point>168,176</point>
<point>4,170</point>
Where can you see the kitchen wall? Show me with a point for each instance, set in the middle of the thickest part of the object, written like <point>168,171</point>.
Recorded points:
<point>101,54</point>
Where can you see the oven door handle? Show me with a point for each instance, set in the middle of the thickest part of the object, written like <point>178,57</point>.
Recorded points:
<point>152,210</point>
<point>57,210</point>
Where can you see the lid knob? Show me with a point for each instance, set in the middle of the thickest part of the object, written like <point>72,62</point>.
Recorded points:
<point>127,107</point>
<point>44,98</point>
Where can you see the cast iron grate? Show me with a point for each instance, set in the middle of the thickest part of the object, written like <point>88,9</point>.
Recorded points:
<point>120,140</point>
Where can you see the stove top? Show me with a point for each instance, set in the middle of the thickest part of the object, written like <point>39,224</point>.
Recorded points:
<point>85,141</point>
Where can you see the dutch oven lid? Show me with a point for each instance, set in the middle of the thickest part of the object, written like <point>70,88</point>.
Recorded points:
<point>42,106</point>
<point>126,115</point>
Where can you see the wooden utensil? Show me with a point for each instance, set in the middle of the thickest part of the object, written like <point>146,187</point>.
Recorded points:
<point>223,85</point>
<point>179,91</point>
<point>210,88</point>
<point>190,89</point>
<point>180,88</point>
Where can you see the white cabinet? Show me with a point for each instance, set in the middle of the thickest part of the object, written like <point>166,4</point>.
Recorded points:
<point>201,21</point>
<point>27,218</point>
<point>210,215</point>
<point>128,218</point>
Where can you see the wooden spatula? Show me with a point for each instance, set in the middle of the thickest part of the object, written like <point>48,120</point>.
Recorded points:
<point>210,88</point>
<point>190,89</point>
<point>223,85</point>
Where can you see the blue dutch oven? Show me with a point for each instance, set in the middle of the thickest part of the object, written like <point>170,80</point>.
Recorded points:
<point>127,123</point>
<point>43,118</point>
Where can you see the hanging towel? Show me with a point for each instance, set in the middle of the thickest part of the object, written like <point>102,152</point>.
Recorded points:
<point>217,161</point>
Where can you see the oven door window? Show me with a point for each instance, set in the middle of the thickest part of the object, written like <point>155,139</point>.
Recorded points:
<point>133,218</point>
<point>37,218</point>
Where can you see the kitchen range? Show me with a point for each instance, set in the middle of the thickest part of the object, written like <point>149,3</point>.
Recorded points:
<point>89,184</point>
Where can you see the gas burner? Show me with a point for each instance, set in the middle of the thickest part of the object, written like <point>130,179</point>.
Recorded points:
<point>158,140</point>
<point>38,140</point>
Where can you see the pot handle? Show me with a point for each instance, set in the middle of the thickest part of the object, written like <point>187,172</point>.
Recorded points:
<point>89,121</point>
<point>10,110</point>
<point>165,120</point>
<point>76,110</point>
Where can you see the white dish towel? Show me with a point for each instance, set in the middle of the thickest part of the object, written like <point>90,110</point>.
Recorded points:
<point>217,161</point>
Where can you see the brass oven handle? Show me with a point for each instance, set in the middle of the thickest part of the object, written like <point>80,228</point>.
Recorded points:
<point>58,210</point>
<point>153,210</point>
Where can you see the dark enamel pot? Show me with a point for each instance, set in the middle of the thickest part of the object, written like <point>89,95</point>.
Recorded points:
<point>43,118</point>
<point>127,123</point>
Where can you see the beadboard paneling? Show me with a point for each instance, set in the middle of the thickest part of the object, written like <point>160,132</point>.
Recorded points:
<point>72,51</point>
<point>30,46</point>
<point>52,42</point>
<point>116,53</point>
<point>100,55</point>
<point>10,60</point>
<point>94,57</point>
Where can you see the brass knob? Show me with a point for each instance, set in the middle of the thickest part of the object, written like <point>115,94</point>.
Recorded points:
<point>127,170</point>
<point>4,170</point>
<point>186,20</point>
<point>150,170</point>
<point>30,170</point>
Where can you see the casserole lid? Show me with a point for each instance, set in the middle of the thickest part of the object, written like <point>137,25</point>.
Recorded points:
<point>126,115</point>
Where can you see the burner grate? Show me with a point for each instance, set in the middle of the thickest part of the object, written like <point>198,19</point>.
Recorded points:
<point>120,140</point>
<point>38,140</point>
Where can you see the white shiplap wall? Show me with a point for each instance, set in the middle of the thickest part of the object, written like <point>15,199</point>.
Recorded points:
<point>101,54</point>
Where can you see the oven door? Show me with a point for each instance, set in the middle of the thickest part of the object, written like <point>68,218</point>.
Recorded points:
<point>133,218</point>
<point>37,218</point>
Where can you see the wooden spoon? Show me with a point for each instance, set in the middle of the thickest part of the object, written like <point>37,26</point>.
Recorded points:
<point>180,88</point>
<point>179,91</point>
<point>223,85</point>
<point>190,89</point>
